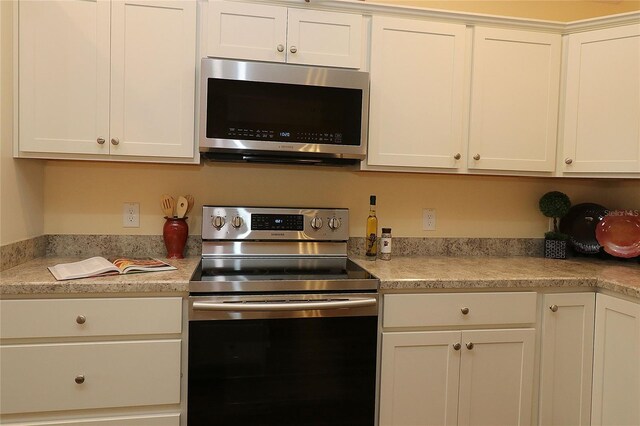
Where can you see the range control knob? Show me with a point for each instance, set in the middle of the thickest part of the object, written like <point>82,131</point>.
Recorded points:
<point>334,223</point>
<point>237,222</point>
<point>218,222</point>
<point>316,223</point>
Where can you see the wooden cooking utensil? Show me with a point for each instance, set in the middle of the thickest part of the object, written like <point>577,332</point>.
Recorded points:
<point>191,202</point>
<point>168,203</point>
<point>181,207</point>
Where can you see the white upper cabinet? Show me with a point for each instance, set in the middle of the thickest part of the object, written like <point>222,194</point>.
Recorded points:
<point>417,79</point>
<point>601,131</point>
<point>514,100</point>
<point>279,34</point>
<point>153,62</point>
<point>247,31</point>
<point>64,76</point>
<point>108,78</point>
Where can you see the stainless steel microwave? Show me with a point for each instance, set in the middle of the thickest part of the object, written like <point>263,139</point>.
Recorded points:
<point>271,112</point>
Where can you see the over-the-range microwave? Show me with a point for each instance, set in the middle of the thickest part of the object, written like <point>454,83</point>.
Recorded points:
<point>271,112</point>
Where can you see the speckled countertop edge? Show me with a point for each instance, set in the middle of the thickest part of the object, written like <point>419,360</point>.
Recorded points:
<point>33,278</point>
<point>399,274</point>
<point>469,273</point>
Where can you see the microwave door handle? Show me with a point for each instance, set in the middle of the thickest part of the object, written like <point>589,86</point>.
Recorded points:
<point>286,306</point>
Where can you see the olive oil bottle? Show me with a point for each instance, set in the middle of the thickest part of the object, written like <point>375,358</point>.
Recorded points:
<point>372,230</point>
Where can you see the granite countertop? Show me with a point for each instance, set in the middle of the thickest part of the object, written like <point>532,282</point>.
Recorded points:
<point>33,277</point>
<point>398,274</point>
<point>416,273</point>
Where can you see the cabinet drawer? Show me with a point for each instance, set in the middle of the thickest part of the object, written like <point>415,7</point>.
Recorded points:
<point>432,310</point>
<point>146,420</point>
<point>89,317</point>
<point>37,378</point>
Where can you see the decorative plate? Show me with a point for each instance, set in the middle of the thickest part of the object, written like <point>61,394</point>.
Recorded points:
<point>619,234</point>
<point>580,224</point>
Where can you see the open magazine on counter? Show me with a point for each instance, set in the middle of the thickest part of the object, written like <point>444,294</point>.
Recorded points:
<point>98,266</point>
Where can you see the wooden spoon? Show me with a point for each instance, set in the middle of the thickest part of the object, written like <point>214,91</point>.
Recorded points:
<point>181,207</point>
<point>168,203</point>
<point>191,202</point>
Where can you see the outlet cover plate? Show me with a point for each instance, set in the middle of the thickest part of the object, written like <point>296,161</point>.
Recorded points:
<point>131,215</point>
<point>429,219</point>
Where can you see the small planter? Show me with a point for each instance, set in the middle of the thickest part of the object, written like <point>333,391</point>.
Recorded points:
<point>555,249</point>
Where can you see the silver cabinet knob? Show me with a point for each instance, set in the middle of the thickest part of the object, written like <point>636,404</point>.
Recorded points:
<point>568,160</point>
<point>457,346</point>
<point>100,141</point>
<point>316,223</point>
<point>293,49</point>
<point>237,222</point>
<point>115,141</point>
<point>464,310</point>
<point>334,223</point>
<point>469,345</point>
<point>81,319</point>
<point>218,222</point>
<point>457,156</point>
<point>476,157</point>
<point>80,379</point>
<point>554,308</point>
<point>280,48</point>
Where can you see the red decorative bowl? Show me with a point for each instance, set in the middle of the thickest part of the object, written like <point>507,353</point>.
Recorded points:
<point>619,234</point>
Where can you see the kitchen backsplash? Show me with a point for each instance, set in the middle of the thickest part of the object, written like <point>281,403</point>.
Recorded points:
<point>81,245</point>
<point>417,246</point>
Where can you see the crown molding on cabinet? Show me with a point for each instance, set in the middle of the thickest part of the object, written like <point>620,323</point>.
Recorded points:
<point>468,18</point>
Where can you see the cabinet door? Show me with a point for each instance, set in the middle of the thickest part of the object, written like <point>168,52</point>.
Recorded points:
<point>567,359</point>
<point>64,76</point>
<point>153,62</point>
<point>419,378</point>
<point>324,38</point>
<point>247,31</point>
<point>602,104</point>
<point>417,76</point>
<point>496,377</point>
<point>514,100</point>
<point>616,363</point>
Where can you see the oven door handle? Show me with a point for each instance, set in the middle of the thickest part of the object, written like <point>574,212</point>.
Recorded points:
<point>286,306</point>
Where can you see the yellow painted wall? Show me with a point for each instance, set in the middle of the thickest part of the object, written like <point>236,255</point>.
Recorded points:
<point>21,181</point>
<point>87,197</point>
<point>559,10</point>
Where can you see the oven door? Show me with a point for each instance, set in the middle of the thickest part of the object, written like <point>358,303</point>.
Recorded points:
<point>282,360</point>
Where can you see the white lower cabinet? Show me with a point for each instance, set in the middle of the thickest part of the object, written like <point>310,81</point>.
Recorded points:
<point>118,356</point>
<point>458,377</point>
<point>616,363</point>
<point>566,359</point>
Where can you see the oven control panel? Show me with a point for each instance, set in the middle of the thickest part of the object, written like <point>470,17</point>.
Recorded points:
<point>274,223</point>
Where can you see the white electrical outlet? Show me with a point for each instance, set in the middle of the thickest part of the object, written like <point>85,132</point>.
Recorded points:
<point>429,219</point>
<point>131,215</point>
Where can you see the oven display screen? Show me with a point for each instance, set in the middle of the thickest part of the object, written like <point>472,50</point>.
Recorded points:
<point>277,222</point>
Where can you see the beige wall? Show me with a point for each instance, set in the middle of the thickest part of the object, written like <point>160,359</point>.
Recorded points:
<point>21,181</point>
<point>558,10</point>
<point>87,197</point>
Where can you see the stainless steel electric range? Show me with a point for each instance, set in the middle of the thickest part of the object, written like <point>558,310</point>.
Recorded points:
<point>282,325</point>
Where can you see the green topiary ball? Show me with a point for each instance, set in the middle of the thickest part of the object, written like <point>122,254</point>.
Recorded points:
<point>555,204</point>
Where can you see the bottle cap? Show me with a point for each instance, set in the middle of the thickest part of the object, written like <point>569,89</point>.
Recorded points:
<point>372,199</point>
<point>386,230</point>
